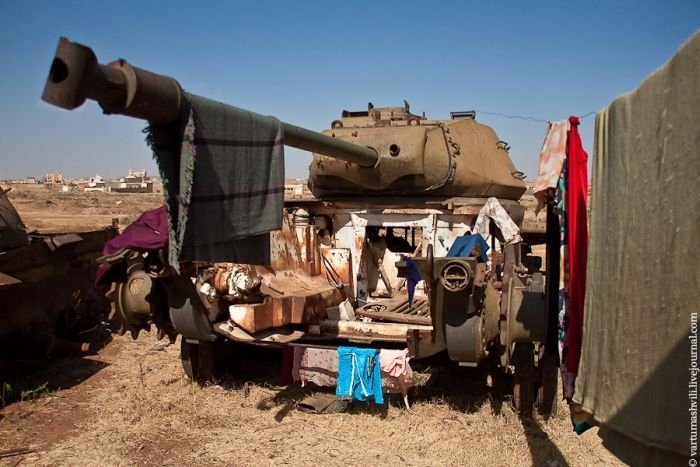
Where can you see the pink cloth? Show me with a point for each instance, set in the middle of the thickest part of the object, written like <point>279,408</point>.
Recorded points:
<point>394,362</point>
<point>552,158</point>
<point>397,375</point>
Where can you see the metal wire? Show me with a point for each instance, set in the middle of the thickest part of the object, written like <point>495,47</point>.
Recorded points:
<point>527,117</point>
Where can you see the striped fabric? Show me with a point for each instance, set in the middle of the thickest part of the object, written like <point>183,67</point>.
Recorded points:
<point>223,174</point>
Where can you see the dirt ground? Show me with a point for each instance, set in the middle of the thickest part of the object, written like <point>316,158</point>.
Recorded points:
<point>46,209</point>
<point>132,405</point>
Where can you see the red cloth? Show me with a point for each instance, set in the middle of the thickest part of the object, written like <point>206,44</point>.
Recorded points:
<point>577,232</point>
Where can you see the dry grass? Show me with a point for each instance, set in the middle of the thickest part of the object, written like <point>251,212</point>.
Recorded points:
<point>140,409</point>
<point>132,404</point>
<point>46,209</point>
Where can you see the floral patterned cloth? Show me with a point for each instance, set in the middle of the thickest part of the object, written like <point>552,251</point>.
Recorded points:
<point>552,158</point>
<point>318,366</point>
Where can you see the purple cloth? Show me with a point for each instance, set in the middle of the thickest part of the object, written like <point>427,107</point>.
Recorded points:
<point>148,232</point>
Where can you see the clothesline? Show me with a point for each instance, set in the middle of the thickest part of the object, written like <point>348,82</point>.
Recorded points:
<point>525,117</point>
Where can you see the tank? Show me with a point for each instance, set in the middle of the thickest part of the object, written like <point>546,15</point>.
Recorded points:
<point>391,193</point>
<point>47,303</point>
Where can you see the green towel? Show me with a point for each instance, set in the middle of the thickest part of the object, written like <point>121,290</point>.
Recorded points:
<point>643,283</point>
<point>223,175</point>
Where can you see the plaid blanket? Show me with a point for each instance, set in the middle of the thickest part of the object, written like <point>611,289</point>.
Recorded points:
<point>223,175</point>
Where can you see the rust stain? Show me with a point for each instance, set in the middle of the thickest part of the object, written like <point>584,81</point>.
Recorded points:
<point>359,244</point>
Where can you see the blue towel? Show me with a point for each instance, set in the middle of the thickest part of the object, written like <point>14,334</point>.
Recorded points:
<point>412,278</point>
<point>581,428</point>
<point>464,245</point>
<point>359,374</point>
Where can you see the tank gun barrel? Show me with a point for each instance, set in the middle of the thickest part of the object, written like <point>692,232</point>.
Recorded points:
<point>121,88</point>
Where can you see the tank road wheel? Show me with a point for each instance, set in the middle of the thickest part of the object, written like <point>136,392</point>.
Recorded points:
<point>524,378</point>
<point>198,360</point>
<point>548,384</point>
<point>189,356</point>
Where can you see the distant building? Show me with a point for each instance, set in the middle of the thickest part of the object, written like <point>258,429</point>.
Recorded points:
<point>21,181</point>
<point>157,186</point>
<point>296,189</point>
<point>54,178</point>
<point>137,181</point>
<point>96,183</point>
<point>142,174</point>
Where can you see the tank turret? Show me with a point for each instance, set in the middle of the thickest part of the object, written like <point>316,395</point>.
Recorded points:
<point>458,157</point>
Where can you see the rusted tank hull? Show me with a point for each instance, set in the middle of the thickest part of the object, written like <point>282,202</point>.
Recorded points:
<point>47,296</point>
<point>330,252</point>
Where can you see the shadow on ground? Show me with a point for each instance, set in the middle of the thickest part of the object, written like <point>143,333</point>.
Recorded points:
<point>542,449</point>
<point>463,389</point>
<point>23,379</point>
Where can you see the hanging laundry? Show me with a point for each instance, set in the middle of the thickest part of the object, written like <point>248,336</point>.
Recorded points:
<point>359,374</point>
<point>493,211</point>
<point>552,158</point>
<point>637,371</point>
<point>465,245</point>
<point>563,182</point>
<point>394,363</point>
<point>412,278</point>
<point>223,167</point>
<point>148,232</point>
<point>320,366</point>
<point>568,378</point>
<point>397,375</point>
<point>313,365</point>
<point>576,222</point>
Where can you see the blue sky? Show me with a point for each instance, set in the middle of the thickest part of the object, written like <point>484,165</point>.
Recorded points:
<point>304,62</point>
